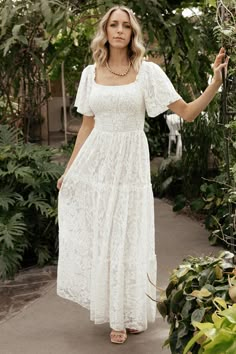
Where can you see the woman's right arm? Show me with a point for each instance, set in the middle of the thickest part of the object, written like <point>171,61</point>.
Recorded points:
<point>84,131</point>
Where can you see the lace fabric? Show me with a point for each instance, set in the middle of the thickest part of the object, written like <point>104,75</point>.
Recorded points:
<point>106,205</point>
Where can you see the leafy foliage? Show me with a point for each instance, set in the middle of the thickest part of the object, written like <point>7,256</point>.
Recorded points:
<point>190,296</point>
<point>156,132</point>
<point>214,199</point>
<point>28,203</point>
<point>169,179</point>
<point>181,179</point>
<point>27,29</point>
<point>219,334</point>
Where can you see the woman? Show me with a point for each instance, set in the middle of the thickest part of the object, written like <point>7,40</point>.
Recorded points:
<point>105,207</point>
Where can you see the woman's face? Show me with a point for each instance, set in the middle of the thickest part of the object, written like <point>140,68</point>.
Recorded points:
<point>119,29</point>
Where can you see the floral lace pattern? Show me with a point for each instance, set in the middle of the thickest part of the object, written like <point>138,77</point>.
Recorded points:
<point>106,205</point>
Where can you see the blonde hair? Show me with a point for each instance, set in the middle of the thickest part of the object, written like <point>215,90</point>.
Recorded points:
<point>100,45</point>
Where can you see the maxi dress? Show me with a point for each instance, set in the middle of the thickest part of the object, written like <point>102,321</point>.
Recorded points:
<point>106,204</point>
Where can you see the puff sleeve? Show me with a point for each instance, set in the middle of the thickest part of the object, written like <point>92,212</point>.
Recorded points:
<point>83,93</point>
<point>158,90</point>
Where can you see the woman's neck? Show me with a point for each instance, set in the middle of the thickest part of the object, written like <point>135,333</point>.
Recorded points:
<point>118,57</point>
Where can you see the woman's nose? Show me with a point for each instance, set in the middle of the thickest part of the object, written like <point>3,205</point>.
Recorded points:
<point>119,30</point>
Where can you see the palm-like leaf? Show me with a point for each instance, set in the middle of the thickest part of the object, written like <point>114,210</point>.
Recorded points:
<point>11,228</point>
<point>8,197</point>
<point>50,170</point>
<point>28,202</point>
<point>10,258</point>
<point>39,203</point>
<point>43,254</point>
<point>9,135</point>
<point>38,153</point>
<point>17,171</point>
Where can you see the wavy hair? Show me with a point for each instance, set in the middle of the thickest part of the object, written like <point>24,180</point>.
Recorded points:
<point>100,45</point>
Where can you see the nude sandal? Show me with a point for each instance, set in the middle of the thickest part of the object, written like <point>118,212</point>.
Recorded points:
<point>133,331</point>
<point>118,337</point>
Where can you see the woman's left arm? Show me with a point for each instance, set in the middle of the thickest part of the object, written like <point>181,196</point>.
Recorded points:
<point>189,111</point>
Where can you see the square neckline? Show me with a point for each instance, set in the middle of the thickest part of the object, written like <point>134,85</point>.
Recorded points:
<point>131,83</point>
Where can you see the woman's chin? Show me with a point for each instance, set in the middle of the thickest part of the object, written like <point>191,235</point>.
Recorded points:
<point>118,45</point>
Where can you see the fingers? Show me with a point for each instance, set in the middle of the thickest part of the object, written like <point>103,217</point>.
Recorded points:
<point>221,53</point>
<point>59,183</point>
<point>219,59</point>
<point>221,66</point>
<point>222,49</point>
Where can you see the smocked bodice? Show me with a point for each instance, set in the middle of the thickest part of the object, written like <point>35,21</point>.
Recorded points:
<point>122,108</point>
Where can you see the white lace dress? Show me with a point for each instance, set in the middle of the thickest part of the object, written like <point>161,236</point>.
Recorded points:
<point>106,205</point>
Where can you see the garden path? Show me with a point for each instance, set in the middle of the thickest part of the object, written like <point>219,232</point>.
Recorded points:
<point>52,325</point>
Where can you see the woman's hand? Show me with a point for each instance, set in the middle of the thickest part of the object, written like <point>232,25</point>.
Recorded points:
<point>219,65</point>
<point>59,182</point>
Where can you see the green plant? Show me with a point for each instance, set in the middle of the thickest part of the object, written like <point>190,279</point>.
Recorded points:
<point>68,148</point>
<point>156,132</point>
<point>190,296</point>
<point>27,57</point>
<point>169,179</point>
<point>217,336</point>
<point>213,203</point>
<point>28,203</point>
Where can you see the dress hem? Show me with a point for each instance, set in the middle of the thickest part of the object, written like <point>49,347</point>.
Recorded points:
<point>107,320</point>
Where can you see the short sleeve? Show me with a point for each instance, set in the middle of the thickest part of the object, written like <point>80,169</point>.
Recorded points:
<point>83,93</point>
<point>159,92</point>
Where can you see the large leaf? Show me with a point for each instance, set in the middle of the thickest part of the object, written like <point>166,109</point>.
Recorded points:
<point>8,197</point>
<point>198,315</point>
<point>39,203</point>
<point>16,29</point>
<point>46,10</point>
<point>201,293</point>
<point>223,343</point>
<point>11,228</point>
<point>193,340</point>
<point>230,314</point>
<point>9,135</point>
<point>17,171</point>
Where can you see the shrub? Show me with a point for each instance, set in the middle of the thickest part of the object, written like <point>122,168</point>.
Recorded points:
<point>217,336</point>
<point>28,203</point>
<point>190,296</point>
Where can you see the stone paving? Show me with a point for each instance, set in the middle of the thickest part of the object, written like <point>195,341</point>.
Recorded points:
<point>29,284</point>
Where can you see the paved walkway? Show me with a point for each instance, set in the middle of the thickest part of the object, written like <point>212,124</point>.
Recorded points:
<point>52,325</point>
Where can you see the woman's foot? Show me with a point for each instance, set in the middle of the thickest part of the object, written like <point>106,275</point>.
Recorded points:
<point>118,337</point>
<point>133,331</point>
